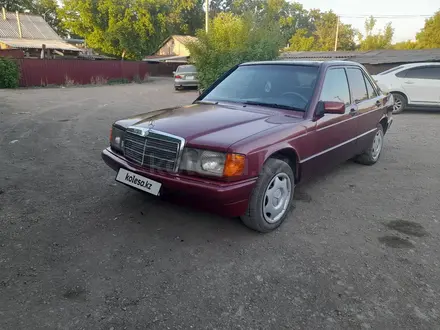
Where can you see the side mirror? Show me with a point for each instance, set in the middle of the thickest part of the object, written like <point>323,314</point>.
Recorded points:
<point>334,107</point>
<point>174,72</point>
<point>201,90</point>
<point>329,107</point>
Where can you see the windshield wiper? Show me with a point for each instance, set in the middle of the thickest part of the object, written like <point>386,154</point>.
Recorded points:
<point>207,102</point>
<point>273,105</point>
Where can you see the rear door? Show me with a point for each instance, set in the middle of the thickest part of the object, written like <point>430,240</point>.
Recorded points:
<point>370,106</point>
<point>421,84</point>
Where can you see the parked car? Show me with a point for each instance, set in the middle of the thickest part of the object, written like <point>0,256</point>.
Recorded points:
<point>250,138</point>
<point>412,85</point>
<point>185,76</point>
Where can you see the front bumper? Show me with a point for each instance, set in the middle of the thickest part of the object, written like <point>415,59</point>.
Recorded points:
<point>226,198</point>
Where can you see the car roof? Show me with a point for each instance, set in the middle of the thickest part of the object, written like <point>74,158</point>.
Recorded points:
<point>306,63</point>
<point>415,65</point>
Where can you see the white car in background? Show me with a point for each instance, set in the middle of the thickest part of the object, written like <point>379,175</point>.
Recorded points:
<point>412,85</point>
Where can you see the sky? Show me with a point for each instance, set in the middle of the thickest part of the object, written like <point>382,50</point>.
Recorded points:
<point>354,12</point>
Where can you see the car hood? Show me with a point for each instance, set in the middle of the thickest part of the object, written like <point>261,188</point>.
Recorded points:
<point>217,126</point>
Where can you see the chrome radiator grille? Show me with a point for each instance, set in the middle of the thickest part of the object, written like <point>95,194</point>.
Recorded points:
<point>154,150</point>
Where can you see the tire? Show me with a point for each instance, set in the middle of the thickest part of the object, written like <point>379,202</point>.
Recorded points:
<point>276,177</point>
<point>372,154</point>
<point>400,103</point>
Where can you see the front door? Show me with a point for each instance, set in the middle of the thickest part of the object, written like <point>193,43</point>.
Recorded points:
<point>334,135</point>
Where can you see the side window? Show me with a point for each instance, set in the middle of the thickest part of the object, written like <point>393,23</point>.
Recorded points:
<point>436,72</point>
<point>335,87</point>
<point>418,73</point>
<point>357,85</point>
<point>431,72</point>
<point>402,74</point>
<point>370,89</point>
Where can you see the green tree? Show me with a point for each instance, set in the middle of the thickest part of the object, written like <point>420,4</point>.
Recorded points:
<point>301,41</point>
<point>48,9</point>
<point>9,73</point>
<point>231,40</point>
<point>321,34</point>
<point>406,45</point>
<point>325,33</point>
<point>380,40</point>
<point>429,36</point>
<point>289,15</point>
<point>16,5</point>
<point>131,28</point>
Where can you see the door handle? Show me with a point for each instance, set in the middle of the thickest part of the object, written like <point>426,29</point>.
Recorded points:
<point>409,82</point>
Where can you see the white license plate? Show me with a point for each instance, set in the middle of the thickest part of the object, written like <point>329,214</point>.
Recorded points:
<point>138,181</point>
<point>189,77</point>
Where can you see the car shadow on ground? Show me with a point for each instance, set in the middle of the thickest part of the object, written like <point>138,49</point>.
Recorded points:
<point>412,111</point>
<point>169,214</point>
<point>186,90</point>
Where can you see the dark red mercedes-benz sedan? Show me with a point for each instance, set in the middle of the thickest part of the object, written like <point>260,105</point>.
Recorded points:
<point>245,143</point>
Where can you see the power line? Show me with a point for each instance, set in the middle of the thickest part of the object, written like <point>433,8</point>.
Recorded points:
<point>386,16</point>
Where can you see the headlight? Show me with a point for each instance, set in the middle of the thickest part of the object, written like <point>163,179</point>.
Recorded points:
<point>212,162</point>
<point>117,139</point>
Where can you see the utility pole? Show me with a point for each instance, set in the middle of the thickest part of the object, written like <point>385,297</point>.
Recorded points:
<point>207,16</point>
<point>337,33</point>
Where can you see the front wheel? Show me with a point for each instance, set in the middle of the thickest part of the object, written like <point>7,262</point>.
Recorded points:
<point>272,198</point>
<point>372,154</point>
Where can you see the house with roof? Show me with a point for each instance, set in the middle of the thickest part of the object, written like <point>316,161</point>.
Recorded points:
<point>172,49</point>
<point>33,35</point>
<point>375,61</point>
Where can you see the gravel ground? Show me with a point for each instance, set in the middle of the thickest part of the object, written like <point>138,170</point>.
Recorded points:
<point>79,251</point>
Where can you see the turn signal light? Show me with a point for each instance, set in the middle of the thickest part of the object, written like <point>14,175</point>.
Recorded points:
<point>234,165</point>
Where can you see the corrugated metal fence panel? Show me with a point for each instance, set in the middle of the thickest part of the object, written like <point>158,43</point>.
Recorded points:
<point>14,53</point>
<point>36,72</point>
<point>163,69</point>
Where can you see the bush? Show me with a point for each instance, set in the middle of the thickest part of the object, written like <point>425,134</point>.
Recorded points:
<point>232,40</point>
<point>9,73</point>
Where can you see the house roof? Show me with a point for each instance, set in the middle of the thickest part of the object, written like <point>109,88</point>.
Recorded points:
<point>180,38</point>
<point>183,39</point>
<point>32,27</point>
<point>166,58</point>
<point>37,44</point>
<point>35,32</point>
<point>369,57</point>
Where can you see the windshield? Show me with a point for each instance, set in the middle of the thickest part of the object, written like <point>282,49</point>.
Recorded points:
<point>279,86</point>
<point>186,68</point>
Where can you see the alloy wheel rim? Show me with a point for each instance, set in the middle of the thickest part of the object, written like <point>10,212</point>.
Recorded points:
<point>397,104</point>
<point>277,197</point>
<point>377,145</point>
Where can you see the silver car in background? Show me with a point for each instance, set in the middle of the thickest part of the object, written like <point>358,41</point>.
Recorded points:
<point>185,76</point>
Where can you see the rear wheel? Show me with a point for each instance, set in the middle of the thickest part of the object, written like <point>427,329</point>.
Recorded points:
<point>400,103</point>
<point>372,154</point>
<point>272,198</point>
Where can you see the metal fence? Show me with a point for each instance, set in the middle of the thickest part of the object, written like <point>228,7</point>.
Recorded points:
<point>37,72</point>
<point>12,53</point>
